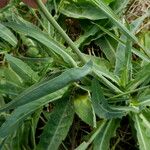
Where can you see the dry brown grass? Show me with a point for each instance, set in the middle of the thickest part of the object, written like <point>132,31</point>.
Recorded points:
<point>136,9</point>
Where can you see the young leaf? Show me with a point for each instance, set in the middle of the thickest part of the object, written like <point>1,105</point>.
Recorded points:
<point>58,125</point>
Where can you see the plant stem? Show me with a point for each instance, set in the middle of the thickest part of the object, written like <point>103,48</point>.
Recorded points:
<point>60,30</point>
<point>130,92</point>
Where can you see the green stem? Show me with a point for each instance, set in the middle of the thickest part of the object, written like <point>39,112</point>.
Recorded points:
<point>130,92</point>
<point>33,12</point>
<point>60,30</point>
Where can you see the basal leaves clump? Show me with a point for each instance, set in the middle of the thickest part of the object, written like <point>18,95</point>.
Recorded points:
<point>74,74</point>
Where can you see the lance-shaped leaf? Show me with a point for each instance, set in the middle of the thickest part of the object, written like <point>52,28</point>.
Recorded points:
<point>14,121</point>
<point>26,28</point>
<point>144,101</point>
<point>121,42</point>
<point>81,9</point>
<point>44,88</point>
<point>111,15</point>
<point>142,136</point>
<point>107,47</point>
<point>7,35</point>
<point>143,75</point>
<point>100,104</point>
<point>58,125</point>
<point>145,116</point>
<point>22,69</point>
<point>10,88</point>
<point>10,75</point>
<point>102,140</point>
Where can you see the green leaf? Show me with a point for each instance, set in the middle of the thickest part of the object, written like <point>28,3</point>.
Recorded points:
<point>111,15</point>
<point>104,80</point>
<point>100,104</point>
<point>106,77</point>
<point>102,140</point>
<point>84,109</point>
<point>87,37</point>
<point>10,75</point>
<point>32,31</point>
<point>122,44</point>
<point>140,77</point>
<point>107,48</point>
<point>22,69</point>
<point>85,144</point>
<point>141,55</point>
<point>80,9</point>
<point>105,72</point>
<point>108,1</point>
<point>58,125</point>
<point>142,137</point>
<point>7,35</point>
<point>119,5</point>
<point>24,136</point>
<point>21,113</point>
<point>135,25</point>
<point>120,56</point>
<point>41,89</point>
<point>144,101</point>
<point>145,40</point>
<point>10,88</point>
<point>145,116</point>
<point>126,74</point>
